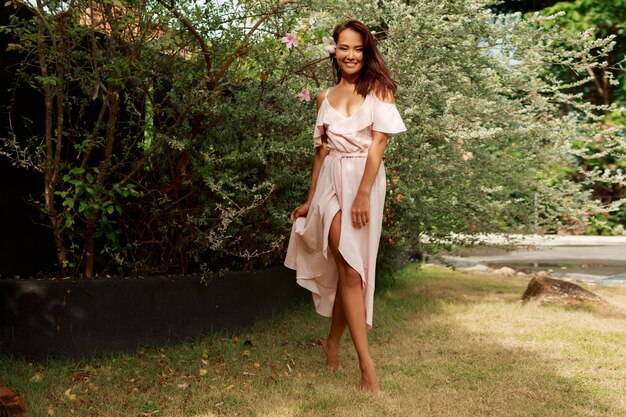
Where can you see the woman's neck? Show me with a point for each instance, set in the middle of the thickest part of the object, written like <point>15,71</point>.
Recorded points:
<point>347,84</point>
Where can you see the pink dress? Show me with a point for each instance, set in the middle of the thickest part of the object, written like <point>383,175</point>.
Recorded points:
<point>340,176</point>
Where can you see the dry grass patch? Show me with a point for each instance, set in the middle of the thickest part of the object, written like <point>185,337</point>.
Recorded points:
<point>446,343</point>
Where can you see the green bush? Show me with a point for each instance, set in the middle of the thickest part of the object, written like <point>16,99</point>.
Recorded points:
<point>211,147</point>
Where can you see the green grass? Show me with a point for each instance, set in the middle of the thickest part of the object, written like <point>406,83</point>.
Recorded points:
<point>446,343</point>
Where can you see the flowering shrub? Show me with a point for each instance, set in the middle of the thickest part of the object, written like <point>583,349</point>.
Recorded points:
<point>219,149</point>
<point>487,121</point>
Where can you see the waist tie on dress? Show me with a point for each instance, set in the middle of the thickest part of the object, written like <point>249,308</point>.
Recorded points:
<point>338,156</point>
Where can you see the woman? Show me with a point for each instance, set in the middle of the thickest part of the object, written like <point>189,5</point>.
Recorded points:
<point>344,208</point>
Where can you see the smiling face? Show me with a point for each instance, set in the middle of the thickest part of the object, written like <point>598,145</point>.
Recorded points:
<point>349,52</point>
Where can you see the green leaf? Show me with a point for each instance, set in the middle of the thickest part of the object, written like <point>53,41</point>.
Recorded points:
<point>14,47</point>
<point>50,80</point>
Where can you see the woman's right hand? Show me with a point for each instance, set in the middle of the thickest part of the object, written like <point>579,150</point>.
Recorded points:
<point>300,211</point>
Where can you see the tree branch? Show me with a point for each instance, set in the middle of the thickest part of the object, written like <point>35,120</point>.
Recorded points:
<point>203,45</point>
<point>216,78</point>
<point>591,72</point>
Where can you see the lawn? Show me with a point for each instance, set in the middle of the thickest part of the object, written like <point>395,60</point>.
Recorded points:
<point>446,343</point>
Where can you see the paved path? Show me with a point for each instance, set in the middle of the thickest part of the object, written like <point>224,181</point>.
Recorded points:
<point>599,259</point>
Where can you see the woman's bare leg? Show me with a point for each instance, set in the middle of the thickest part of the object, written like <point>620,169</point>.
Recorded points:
<point>337,327</point>
<point>351,295</point>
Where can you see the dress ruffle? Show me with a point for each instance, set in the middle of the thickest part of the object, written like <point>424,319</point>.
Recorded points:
<point>386,118</point>
<point>374,114</point>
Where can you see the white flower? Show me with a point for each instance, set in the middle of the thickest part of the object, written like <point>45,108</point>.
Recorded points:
<point>305,24</point>
<point>176,144</point>
<point>329,44</point>
<point>302,25</point>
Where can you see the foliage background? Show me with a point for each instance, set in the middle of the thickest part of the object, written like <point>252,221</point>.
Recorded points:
<point>212,148</point>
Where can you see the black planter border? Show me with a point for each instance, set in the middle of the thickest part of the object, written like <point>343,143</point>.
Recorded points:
<point>80,319</point>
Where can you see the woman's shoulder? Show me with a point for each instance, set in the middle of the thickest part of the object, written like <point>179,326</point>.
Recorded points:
<point>321,96</point>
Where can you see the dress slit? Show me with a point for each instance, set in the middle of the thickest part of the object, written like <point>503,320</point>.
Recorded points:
<point>355,267</point>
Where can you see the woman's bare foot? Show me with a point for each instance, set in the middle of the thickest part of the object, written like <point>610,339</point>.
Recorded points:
<point>369,381</point>
<point>332,355</point>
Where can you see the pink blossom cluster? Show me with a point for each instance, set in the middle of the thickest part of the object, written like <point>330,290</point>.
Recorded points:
<point>290,40</point>
<point>304,95</point>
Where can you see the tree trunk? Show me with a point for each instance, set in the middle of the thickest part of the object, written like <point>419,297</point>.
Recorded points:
<point>90,245</point>
<point>50,169</point>
<point>56,224</point>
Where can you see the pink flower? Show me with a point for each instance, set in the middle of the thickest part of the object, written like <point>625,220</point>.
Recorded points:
<point>290,40</point>
<point>304,95</point>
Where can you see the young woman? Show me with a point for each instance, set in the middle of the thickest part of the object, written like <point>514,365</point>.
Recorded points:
<point>335,235</point>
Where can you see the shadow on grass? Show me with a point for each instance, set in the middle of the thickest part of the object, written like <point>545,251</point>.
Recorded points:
<point>429,364</point>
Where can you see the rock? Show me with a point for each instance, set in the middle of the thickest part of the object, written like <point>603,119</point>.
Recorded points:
<point>479,267</point>
<point>521,274</point>
<point>555,291</point>
<point>542,274</point>
<point>505,270</point>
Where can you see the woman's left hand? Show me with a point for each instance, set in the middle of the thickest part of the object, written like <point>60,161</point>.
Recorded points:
<point>360,210</point>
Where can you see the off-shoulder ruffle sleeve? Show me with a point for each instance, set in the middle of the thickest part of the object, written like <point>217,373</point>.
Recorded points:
<point>386,117</point>
<point>319,127</point>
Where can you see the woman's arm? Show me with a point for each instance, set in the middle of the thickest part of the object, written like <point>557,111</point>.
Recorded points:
<point>361,205</point>
<point>320,153</point>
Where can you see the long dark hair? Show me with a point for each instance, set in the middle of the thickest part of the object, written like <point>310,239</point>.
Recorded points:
<point>374,75</point>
